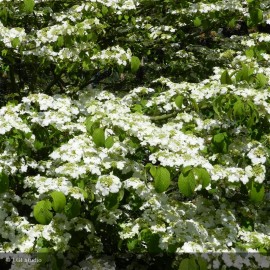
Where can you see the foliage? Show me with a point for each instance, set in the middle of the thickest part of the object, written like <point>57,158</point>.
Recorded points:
<point>135,139</point>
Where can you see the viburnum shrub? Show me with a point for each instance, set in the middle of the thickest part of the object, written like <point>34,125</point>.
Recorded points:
<point>138,141</point>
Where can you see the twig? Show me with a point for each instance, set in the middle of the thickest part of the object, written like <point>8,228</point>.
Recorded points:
<point>163,116</point>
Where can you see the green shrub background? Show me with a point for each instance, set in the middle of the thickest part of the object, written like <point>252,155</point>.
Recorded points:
<point>135,134</point>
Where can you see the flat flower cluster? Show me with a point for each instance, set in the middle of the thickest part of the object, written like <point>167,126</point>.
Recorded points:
<point>107,184</point>
<point>10,35</point>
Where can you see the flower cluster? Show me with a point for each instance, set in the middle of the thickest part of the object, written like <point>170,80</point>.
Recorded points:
<point>107,184</point>
<point>114,53</point>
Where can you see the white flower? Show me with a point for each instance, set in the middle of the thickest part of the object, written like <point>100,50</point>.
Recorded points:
<point>107,184</point>
<point>257,155</point>
<point>190,247</point>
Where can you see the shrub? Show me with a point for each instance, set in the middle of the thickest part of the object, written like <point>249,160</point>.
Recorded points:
<point>164,157</point>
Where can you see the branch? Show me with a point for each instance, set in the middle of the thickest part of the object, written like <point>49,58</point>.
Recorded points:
<point>56,80</point>
<point>163,116</point>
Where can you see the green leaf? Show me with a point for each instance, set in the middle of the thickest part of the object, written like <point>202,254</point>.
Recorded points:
<point>162,179</point>
<point>59,201</point>
<point>91,125</point>
<point>104,10</point>
<point>135,64</point>
<point>263,251</point>
<point>4,182</point>
<point>257,192</point>
<point>219,138</point>
<point>250,53</point>
<point>137,108</point>
<point>4,52</point>
<point>120,133</point>
<point>245,73</point>
<point>15,42</point>
<point>28,135</point>
<point>220,142</point>
<point>239,109</point>
<point>151,240</point>
<point>197,22</point>
<point>109,142</point>
<point>232,23</point>
<point>99,137</point>
<point>60,41</point>
<point>254,117</point>
<point>134,143</point>
<point>259,15</point>
<point>153,170</point>
<point>203,177</point>
<point>88,194</point>
<point>85,65</point>
<point>186,170</point>
<point>81,184</point>
<point>225,78</point>
<point>88,124</point>
<point>240,75</point>
<point>40,242</point>
<point>172,248</point>
<point>29,5</point>
<point>187,183</point>
<point>73,208</point>
<point>202,264</point>
<point>44,254</point>
<point>38,145</point>
<point>99,15</point>
<point>217,105</point>
<point>188,264</point>
<point>194,104</point>
<point>179,101</point>
<point>144,102</point>
<point>47,259</point>
<point>261,80</point>
<point>132,244</point>
<point>112,201</point>
<point>42,212</point>
<point>253,19</point>
<point>133,20</point>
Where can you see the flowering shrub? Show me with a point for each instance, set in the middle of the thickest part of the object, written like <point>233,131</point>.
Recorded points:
<point>173,168</point>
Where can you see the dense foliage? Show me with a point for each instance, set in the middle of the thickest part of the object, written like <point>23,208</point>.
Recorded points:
<point>135,134</point>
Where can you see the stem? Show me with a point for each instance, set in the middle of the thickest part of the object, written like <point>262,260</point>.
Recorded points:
<point>163,116</point>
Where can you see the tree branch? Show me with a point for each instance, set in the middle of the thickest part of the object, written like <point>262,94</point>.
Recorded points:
<point>163,116</point>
